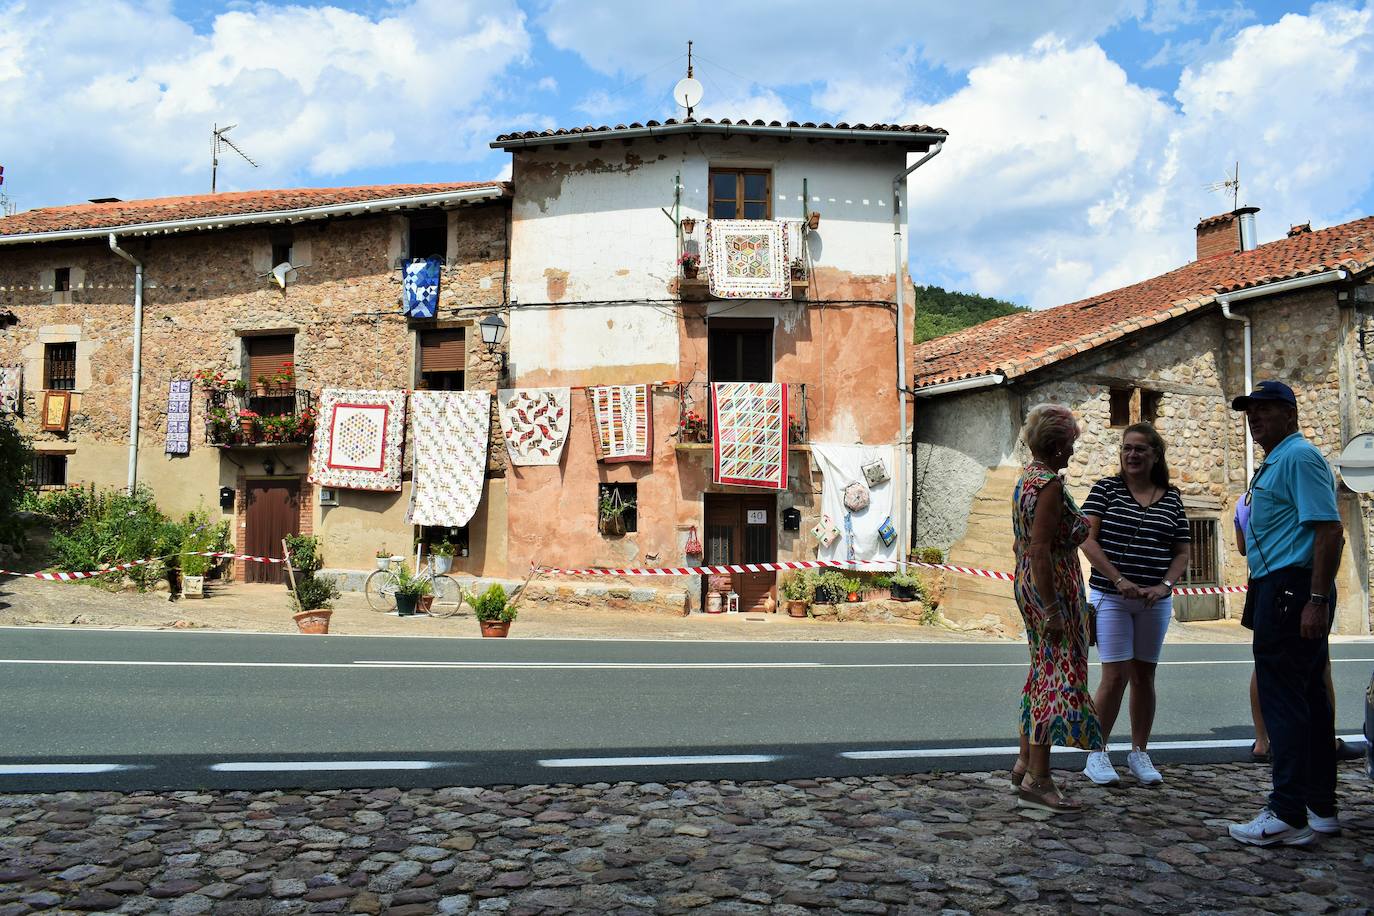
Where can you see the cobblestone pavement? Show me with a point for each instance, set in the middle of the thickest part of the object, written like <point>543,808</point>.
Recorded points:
<point>856,845</point>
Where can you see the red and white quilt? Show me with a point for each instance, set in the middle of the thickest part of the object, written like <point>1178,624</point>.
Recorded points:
<point>358,439</point>
<point>535,422</point>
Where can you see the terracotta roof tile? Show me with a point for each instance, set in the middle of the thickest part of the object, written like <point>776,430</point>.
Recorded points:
<point>577,132</point>
<point>198,206</point>
<point>1016,344</point>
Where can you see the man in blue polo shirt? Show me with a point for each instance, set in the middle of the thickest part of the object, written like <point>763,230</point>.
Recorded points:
<point>1293,545</point>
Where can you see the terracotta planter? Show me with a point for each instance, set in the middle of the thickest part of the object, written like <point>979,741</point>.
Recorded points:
<point>813,220</point>
<point>494,628</point>
<point>406,604</point>
<point>314,622</point>
<point>426,602</point>
<point>246,428</point>
<point>690,273</point>
<point>260,391</point>
<point>796,608</point>
<point>879,594</point>
<point>854,597</point>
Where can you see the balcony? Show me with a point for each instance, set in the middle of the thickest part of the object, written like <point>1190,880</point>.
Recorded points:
<point>693,285</point>
<point>280,416</point>
<point>694,416</point>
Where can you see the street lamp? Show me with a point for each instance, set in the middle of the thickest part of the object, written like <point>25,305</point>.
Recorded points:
<point>493,333</point>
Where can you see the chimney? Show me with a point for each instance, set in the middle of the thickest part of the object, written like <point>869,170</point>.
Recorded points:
<point>1300,229</point>
<point>1226,233</point>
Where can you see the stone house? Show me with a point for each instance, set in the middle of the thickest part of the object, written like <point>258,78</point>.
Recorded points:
<point>201,268</point>
<point>1173,350</point>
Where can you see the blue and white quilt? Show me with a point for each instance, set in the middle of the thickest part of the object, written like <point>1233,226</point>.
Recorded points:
<point>421,288</point>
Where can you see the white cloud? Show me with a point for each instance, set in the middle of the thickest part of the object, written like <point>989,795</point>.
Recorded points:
<point>118,98</point>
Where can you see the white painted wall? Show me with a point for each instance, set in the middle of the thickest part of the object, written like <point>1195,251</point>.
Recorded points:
<point>597,214</point>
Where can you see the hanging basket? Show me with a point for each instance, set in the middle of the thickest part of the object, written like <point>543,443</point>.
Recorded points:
<point>693,547</point>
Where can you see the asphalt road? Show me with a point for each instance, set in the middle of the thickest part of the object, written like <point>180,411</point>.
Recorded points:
<point>176,710</point>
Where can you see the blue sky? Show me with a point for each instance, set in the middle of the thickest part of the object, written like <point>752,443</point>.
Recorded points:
<point>1083,132</point>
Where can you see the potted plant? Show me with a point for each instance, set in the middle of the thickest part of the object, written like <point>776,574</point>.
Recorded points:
<point>693,428</point>
<point>264,382</point>
<point>853,589</point>
<point>303,551</point>
<point>796,591</point>
<point>493,610</point>
<point>383,558</point>
<point>688,225</point>
<point>798,268</point>
<point>795,431</point>
<point>247,422</point>
<point>880,588</point>
<point>905,587</point>
<point>830,587</point>
<point>690,264</point>
<point>442,554</point>
<point>409,589</point>
<point>611,509</point>
<point>285,377</point>
<point>813,220</point>
<point>312,600</point>
<point>194,566</point>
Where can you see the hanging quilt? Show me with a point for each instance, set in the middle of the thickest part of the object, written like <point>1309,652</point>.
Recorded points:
<point>747,259</point>
<point>358,439</point>
<point>449,431</point>
<point>750,423</point>
<point>622,422</point>
<point>179,417</point>
<point>535,422</point>
<point>11,388</point>
<point>420,291</point>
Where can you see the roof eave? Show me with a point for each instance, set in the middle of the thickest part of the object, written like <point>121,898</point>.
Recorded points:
<point>460,196</point>
<point>914,140</point>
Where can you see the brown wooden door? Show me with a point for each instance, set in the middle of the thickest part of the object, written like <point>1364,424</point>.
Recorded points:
<point>273,512</point>
<point>742,529</point>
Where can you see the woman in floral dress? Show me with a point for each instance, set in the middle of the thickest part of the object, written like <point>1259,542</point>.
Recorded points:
<point>1056,707</point>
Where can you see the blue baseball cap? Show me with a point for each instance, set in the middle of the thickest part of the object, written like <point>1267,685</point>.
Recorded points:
<point>1266,391</point>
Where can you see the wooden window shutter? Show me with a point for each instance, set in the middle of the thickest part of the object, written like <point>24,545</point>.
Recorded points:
<point>267,355</point>
<point>443,351</point>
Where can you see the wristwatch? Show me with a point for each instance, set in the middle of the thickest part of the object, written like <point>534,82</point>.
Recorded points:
<point>1314,598</point>
<point>1168,583</point>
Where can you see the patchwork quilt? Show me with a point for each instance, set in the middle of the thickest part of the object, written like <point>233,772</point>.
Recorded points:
<point>420,291</point>
<point>535,423</point>
<point>750,423</point>
<point>358,439</point>
<point>11,388</point>
<point>179,417</point>
<point>747,259</point>
<point>449,432</point>
<point>622,422</point>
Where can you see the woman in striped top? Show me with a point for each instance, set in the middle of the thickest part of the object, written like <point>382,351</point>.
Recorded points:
<point>1138,547</point>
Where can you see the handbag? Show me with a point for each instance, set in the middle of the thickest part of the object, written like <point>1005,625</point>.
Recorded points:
<point>887,532</point>
<point>693,546</point>
<point>875,472</point>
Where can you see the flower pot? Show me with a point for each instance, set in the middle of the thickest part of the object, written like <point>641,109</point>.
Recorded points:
<point>796,607</point>
<point>426,602</point>
<point>613,526</point>
<point>690,272</point>
<point>494,628</point>
<point>688,225</point>
<point>442,564</point>
<point>715,603</point>
<point>315,622</point>
<point>703,435</point>
<point>193,586</point>
<point>406,604</point>
<point>880,594</point>
<point>903,592</point>
<point>813,220</point>
<point>260,391</point>
<point>246,429</point>
<point>853,597</point>
<point>383,562</point>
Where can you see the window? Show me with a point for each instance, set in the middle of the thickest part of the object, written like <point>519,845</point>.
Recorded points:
<point>458,537</point>
<point>62,280</point>
<point>741,194</point>
<point>1134,405</point>
<point>59,366</point>
<point>1121,407</point>
<point>1149,405</point>
<point>1202,551</point>
<point>443,357</point>
<point>429,234</point>
<point>49,470</point>
<point>740,350</point>
<point>268,356</point>
<point>627,494</point>
<point>281,249</point>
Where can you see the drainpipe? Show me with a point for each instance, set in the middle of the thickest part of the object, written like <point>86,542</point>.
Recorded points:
<point>903,446</point>
<point>136,375</point>
<point>1267,289</point>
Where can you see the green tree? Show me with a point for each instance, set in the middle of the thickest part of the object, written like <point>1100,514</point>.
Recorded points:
<point>16,477</point>
<point>940,312</point>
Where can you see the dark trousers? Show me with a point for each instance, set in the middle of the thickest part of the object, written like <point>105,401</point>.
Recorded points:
<point>1291,676</point>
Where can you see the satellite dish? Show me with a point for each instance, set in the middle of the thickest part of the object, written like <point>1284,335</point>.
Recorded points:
<point>687,93</point>
<point>1356,463</point>
<point>284,273</point>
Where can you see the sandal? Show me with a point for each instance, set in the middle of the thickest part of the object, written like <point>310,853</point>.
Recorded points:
<point>1017,775</point>
<point>1039,792</point>
<point>1256,756</point>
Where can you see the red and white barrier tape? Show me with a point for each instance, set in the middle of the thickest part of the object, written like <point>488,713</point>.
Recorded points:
<point>73,576</point>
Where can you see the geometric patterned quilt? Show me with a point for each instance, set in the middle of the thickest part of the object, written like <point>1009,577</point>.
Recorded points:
<point>449,432</point>
<point>11,388</point>
<point>358,439</point>
<point>750,424</point>
<point>535,422</point>
<point>747,259</point>
<point>622,422</point>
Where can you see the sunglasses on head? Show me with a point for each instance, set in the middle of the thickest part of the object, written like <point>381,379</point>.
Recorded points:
<point>1250,489</point>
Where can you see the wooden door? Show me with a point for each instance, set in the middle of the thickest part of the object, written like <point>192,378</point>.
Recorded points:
<point>273,511</point>
<point>742,529</point>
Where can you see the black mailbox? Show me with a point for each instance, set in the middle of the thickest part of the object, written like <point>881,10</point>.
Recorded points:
<point>226,497</point>
<point>791,519</point>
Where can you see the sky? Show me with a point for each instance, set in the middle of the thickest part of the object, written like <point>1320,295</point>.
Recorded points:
<point>1083,133</point>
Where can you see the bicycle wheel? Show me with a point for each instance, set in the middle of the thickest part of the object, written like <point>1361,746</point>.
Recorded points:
<point>380,592</point>
<point>448,596</point>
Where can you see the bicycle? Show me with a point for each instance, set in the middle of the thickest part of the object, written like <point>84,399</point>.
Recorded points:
<point>380,590</point>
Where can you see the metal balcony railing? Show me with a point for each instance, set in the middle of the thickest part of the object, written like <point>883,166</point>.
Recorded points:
<point>279,416</point>
<point>694,413</point>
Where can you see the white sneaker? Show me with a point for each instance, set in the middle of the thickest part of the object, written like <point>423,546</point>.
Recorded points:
<point>1268,828</point>
<point>1100,770</point>
<point>1138,762</point>
<point>1327,826</point>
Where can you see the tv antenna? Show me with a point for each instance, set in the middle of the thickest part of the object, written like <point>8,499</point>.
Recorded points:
<point>687,92</point>
<point>219,137</point>
<point>1230,183</point>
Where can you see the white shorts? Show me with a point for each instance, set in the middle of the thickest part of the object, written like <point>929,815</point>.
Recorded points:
<point>1130,628</point>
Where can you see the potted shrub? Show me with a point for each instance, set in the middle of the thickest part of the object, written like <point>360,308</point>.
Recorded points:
<point>493,610</point>
<point>383,558</point>
<point>442,555</point>
<point>611,509</point>
<point>409,589</point>
<point>905,587</point>
<point>194,566</point>
<point>312,602</point>
<point>690,264</point>
<point>830,587</point>
<point>796,591</point>
<point>303,551</point>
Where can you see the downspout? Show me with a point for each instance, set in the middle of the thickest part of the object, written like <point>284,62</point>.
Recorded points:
<point>136,375</point>
<point>1249,384</point>
<point>903,445</point>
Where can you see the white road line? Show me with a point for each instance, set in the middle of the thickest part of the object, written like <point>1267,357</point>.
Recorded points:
<point>594,665</point>
<point>62,769</point>
<point>279,766</point>
<point>657,761</point>
<point>937,752</point>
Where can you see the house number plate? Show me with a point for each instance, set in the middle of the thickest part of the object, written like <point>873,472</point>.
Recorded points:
<point>757,517</point>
